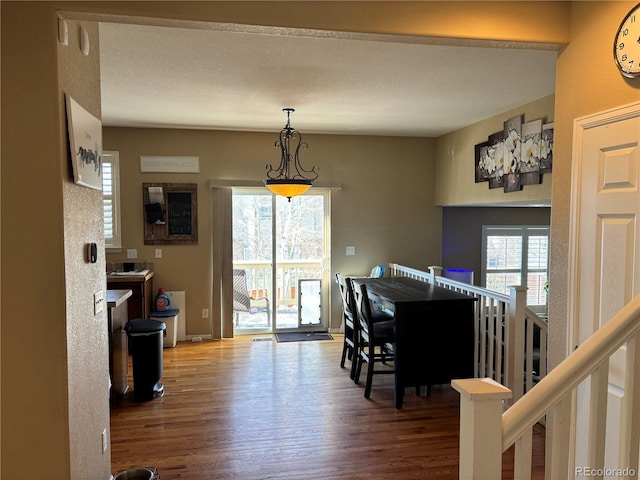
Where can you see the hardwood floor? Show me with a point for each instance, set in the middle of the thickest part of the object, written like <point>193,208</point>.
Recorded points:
<point>243,409</point>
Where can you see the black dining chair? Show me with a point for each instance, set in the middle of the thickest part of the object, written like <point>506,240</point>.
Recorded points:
<point>375,339</point>
<point>349,346</point>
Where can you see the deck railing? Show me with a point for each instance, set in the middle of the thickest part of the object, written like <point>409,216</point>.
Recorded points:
<point>260,280</point>
<point>486,432</point>
<point>510,344</point>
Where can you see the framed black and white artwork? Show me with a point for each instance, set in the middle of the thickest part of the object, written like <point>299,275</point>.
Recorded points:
<point>85,142</point>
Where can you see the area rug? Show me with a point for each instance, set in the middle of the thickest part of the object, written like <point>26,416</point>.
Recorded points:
<point>302,336</point>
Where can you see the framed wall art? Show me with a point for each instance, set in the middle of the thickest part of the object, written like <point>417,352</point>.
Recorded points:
<point>516,156</point>
<point>85,143</point>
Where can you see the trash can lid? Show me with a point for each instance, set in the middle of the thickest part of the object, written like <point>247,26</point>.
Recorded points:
<point>144,325</point>
<point>165,313</point>
<point>135,474</point>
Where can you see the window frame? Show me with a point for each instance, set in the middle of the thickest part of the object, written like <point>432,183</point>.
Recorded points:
<point>523,232</point>
<point>113,244</point>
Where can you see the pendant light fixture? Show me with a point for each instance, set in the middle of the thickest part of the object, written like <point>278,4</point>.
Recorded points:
<point>290,178</point>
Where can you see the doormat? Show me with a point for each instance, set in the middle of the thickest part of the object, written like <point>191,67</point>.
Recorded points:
<point>302,336</point>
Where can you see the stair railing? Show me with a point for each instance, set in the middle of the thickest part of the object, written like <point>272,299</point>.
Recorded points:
<point>486,432</point>
<point>510,340</point>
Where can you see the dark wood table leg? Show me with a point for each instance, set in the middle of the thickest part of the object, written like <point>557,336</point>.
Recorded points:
<point>398,394</point>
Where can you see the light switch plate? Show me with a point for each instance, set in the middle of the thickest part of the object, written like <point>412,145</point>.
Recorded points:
<point>132,253</point>
<point>351,250</point>
<point>98,302</point>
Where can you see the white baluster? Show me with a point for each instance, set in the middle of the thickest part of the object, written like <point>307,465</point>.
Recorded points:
<point>558,439</point>
<point>522,456</point>
<point>630,411</point>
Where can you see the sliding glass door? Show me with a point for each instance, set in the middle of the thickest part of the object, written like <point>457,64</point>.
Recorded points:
<point>280,261</point>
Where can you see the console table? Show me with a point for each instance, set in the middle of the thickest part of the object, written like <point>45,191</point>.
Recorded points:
<point>141,286</point>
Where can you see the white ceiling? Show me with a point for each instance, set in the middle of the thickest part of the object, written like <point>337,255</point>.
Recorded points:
<point>240,78</point>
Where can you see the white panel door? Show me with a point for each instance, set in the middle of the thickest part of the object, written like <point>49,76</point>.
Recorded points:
<point>605,263</point>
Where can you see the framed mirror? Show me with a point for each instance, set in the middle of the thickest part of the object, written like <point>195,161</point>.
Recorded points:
<point>170,213</point>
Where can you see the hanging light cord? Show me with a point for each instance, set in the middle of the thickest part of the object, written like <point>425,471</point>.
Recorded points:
<point>284,170</point>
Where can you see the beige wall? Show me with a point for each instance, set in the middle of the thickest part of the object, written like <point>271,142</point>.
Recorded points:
<point>383,222</point>
<point>54,350</point>
<point>36,316</point>
<point>32,305</point>
<point>455,169</point>
<point>87,334</point>
<point>534,22</point>
<point>587,82</point>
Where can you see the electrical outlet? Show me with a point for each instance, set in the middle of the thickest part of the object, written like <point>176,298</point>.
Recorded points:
<point>132,253</point>
<point>105,443</point>
<point>351,250</point>
<point>205,313</point>
<point>158,253</point>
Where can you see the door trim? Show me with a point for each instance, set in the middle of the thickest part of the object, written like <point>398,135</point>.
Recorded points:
<point>580,126</point>
<point>324,263</point>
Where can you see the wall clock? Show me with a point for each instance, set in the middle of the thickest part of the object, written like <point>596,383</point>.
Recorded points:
<point>626,46</point>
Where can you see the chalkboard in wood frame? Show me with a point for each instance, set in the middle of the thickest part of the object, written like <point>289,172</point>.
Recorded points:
<point>175,221</point>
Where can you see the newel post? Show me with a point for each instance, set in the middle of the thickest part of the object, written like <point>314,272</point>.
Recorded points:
<point>434,271</point>
<point>515,340</point>
<point>481,406</point>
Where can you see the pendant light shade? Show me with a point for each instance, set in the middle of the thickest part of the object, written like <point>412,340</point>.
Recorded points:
<point>290,178</point>
<point>288,188</point>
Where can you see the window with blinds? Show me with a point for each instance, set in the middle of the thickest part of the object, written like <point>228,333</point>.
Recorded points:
<point>516,256</point>
<point>110,198</point>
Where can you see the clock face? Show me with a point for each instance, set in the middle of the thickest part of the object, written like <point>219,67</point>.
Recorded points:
<point>626,48</point>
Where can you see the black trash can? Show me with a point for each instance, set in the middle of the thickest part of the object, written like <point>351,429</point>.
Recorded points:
<point>145,341</point>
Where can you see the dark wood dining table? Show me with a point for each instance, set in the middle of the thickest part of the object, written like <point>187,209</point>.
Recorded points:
<point>433,331</point>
